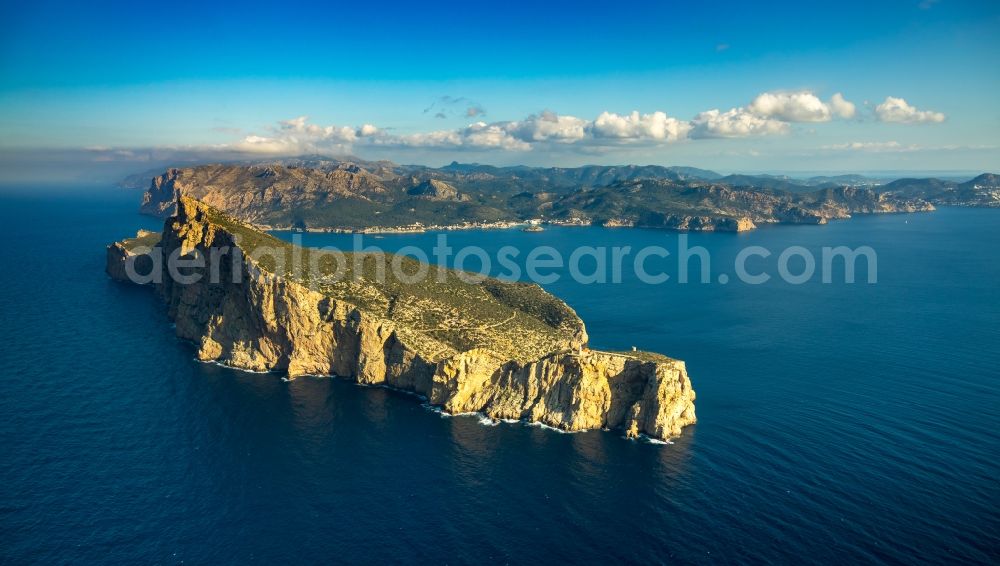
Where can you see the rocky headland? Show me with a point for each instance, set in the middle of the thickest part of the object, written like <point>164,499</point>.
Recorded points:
<point>506,350</point>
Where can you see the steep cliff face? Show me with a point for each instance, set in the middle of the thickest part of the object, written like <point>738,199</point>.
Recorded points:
<point>132,254</point>
<point>531,363</point>
<point>841,202</point>
<point>571,391</point>
<point>161,196</point>
<point>254,193</point>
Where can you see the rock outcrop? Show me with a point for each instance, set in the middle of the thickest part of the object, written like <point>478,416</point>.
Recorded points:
<point>132,254</point>
<point>690,223</point>
<point>509,351</point>
<point>432,189</point>
<point>255,193</point>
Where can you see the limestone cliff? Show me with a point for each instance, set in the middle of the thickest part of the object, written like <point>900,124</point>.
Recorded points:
<point>510,351</point>
<point>131,252</point>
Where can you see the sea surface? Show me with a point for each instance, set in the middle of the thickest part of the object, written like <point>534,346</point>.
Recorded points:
<point>836,422</point>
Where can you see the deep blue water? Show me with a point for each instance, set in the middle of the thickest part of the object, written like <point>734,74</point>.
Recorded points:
<point>836,422</point>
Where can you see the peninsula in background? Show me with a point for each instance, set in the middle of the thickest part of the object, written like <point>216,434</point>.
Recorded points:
<point>321,194</point>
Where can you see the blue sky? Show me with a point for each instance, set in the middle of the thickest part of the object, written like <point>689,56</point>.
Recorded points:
<point>732,87</point>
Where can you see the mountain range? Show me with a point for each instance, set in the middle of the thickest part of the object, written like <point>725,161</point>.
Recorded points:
<point>319,193</point>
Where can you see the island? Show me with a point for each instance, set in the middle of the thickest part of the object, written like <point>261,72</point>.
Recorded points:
<point>507,350</point>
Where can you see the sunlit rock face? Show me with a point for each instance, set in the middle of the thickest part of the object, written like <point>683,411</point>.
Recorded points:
<point>507,350</point>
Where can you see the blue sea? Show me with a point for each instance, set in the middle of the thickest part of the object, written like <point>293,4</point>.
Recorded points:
<point>837,422</point>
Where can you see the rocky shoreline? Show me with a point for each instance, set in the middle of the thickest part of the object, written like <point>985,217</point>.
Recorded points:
<point>268,321</point>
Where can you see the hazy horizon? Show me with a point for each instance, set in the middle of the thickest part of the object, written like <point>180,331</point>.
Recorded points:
<point>34,169</point>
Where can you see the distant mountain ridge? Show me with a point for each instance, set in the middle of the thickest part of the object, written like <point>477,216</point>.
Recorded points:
<point>573,177</point>
<point>314,193</point>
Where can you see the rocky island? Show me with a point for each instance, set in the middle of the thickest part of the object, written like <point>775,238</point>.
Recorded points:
<point>506,350</point>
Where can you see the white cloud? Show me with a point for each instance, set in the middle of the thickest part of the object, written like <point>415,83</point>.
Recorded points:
<point>297,135</point>
<point>898,110</point>
<point>790,107</point>
<point>656,126</point>
<point>735,123</point>
<point>842,107</point>
<point>268,145</point>
<point>479,135</point>
<point>802,106</point>
<point>483,135</point>
<point>546,126</point>
<point>439,138</point>
<point>770,113</point>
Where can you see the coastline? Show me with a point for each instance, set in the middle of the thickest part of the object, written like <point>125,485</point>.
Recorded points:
<point>722,224</point>
<point>421,228</point>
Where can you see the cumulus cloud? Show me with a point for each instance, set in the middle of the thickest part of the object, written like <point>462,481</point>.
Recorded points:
<point>802,106</point>
<point>547,126</point>
<point>516,135</point>
<point>342,134</point>
<point>298,135</point>
<point>898,110</point>
<point>267,145</point>
<point>770,113</point>
<point>479,135</point>
<point>656,126</point>
<point>790,106</point>
<point>842,107</point>
<point>734,123</point>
